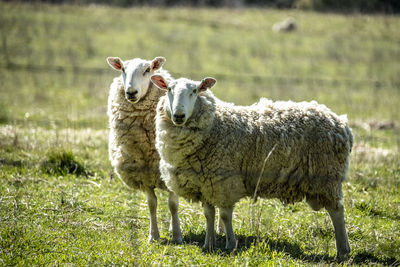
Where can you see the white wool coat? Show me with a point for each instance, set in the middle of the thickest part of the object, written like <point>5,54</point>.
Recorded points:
<point>132,149</point>
<point>217,156</point>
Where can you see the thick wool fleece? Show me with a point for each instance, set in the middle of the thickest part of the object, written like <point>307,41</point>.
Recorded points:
<point>217,156</point>
<point>132,150</point>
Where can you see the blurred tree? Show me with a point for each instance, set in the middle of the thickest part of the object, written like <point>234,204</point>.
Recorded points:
<point>387,6</point>
<point>364,6</point>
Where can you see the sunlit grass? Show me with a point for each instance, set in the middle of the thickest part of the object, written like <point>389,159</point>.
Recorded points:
<point>88,219</point>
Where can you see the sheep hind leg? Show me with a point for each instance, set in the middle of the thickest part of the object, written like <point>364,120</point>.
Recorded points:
<point>226,216</point>
<point>342,241</point>
<point>209,213</point>
<point>152,203</point>
<point>221,227</point>
<point>173,204</point>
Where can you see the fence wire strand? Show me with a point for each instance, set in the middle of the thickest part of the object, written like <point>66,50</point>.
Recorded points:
<point>220,76</point>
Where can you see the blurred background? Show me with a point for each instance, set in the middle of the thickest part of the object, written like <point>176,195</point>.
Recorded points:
<point>54,82</point>
<point>53,71</point>
<point>53,66</point>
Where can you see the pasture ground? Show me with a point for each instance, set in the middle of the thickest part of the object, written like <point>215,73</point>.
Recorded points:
<point>59,200</point>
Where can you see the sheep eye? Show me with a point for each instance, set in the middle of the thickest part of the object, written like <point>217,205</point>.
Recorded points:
<point>146,71</point>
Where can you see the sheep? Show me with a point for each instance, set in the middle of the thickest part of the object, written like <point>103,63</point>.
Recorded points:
<point>287,25</point>
<point>217,153</point>
<point>131,111</point>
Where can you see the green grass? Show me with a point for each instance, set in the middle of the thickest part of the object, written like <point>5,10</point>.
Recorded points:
<point>53,123</point>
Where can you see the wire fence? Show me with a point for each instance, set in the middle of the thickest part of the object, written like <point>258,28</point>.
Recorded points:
<point>221,76</point>
<point>100,122</point>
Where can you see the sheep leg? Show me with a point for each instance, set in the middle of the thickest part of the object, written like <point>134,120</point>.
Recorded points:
<point>226,216</point>
<point>152,203</point>
<point>209,213</point>
<point>173,204</point>
<point>342,241</point>
<point>220,227</point>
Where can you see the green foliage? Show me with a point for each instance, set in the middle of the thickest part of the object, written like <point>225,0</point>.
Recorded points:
<point>54,83</point>
<point>61,162</point>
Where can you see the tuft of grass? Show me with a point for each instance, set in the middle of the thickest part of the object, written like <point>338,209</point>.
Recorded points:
<point>61,162</point>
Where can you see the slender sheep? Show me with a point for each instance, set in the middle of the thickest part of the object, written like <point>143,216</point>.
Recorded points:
<point>214,152</point>
<point>131,109</point>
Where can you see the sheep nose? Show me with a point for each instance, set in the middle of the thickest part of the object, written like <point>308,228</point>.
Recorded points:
<point>131,94</point>
<point>179,118</point>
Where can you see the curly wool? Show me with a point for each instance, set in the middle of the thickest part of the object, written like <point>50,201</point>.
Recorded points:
<point>218,155</point>
<point>132,149</point>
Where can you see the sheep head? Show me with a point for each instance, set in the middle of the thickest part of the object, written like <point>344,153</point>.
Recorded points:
<point>136,75</point>
<point>182,95</point>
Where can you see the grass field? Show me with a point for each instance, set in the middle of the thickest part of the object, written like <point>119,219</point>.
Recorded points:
<point>59,201</point>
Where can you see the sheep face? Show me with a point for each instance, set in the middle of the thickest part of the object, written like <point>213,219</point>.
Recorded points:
<point>182,95</point>
<point>136,75</point>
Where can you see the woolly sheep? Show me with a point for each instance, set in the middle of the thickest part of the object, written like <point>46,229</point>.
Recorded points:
<point>131,110</point>
<point>287,25</point>
<point>214,152</point>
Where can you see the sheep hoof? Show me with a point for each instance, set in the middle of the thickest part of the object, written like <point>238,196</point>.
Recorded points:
<point>177,240</point>
<point>231,245</point>
<point>343,256</point>
<point>153,239</point>
<point>208,247</point>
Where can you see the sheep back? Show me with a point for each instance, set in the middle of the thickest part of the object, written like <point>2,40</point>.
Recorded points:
<point>218,155</point>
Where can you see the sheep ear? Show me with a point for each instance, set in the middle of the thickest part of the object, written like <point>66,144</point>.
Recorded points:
<point>206,83</point>
<point>116,63</point>
<point>157,63</point>
<point>159,81</point>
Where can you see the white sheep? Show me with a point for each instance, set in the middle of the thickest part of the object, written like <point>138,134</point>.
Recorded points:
<point>131,109</point>
<point>287,25</point>
<point>214,152</point>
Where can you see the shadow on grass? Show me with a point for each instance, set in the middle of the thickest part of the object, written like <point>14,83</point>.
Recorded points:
<point>245,242</point>
<point>365,257</point>
<point>290,248</point>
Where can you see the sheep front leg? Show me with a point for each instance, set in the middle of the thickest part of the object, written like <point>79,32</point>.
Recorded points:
<point>226,217</point>
<point>209,213</point>
<point>173,204</point>
<point>342,241</point>
<point>152,203</point>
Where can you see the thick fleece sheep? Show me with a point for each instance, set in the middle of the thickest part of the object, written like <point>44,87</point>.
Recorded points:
<point>212,151</point>
<point>131,109</point>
